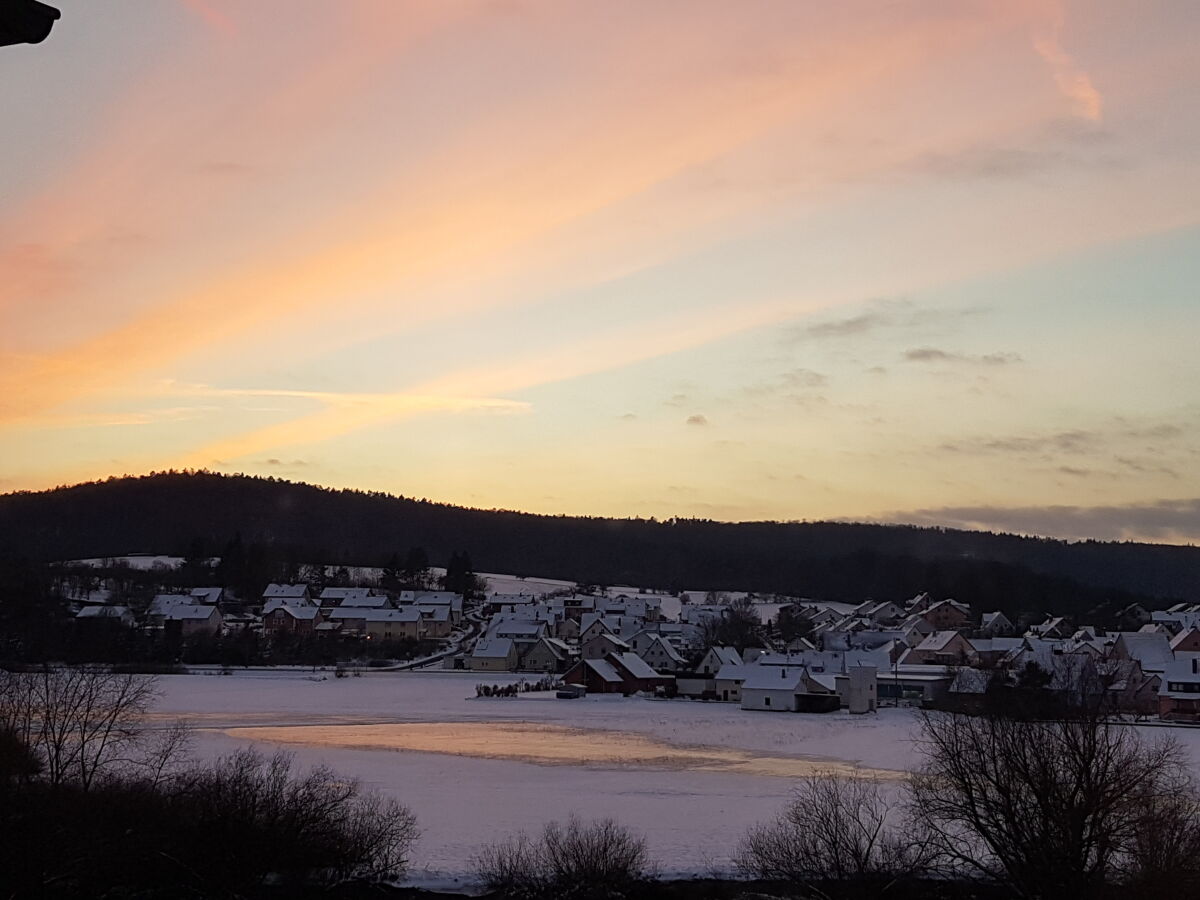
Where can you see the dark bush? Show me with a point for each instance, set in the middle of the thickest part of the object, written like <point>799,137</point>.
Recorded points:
<point>596,859</point>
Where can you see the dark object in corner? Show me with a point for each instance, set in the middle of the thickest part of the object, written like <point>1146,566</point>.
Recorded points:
<point>25,21</point>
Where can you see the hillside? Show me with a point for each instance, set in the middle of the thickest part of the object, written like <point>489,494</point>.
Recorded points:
<point>177,513</point>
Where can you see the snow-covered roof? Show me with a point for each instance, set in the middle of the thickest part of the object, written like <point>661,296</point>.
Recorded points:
<point>937,641</point>
<point>665,646</point>
<point>291,603</point>
<point>163,603</point>
<point>519,628</point>
<point>285,590</point>
<point>197,613</point>
<point>774,678</point>
<point>634,665</point>
<point>604,669</point>
<point>408,614</point>
<point>362,601</point>
<point>344,593</point>
<point>1185,671</point>
<point>493,648</point>
<point>303,613</point>
<point>1184,635</point>
<point>1153,651</point>
<point>103,612</point>
<point>208,594</point>
<point>726,656</point>
<point>731,672</point>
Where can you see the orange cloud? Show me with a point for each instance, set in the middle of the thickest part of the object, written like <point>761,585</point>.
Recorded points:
<point>1073,82</point>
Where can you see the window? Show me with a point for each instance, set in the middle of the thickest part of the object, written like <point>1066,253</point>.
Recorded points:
<point>766,701</point>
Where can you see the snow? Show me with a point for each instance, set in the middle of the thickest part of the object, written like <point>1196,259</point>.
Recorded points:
<point>691,796</point>
<point>691,776</point>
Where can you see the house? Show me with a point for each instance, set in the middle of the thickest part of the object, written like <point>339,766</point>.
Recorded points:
<point>914,683</point>
<point>619,673</point>
<point>919,603</point>
<point>526,633</point>
<point>193,619</point>
<point>1179,696</point>
<point>496,602</point>
<point>451,601</point>
<point>156,613</point>
<point>602,645</point>
<point>362,601</point>
<point>945,648</point>
<point>106,616</point>
<point>379,624</point>
<point>996,624</point>
<point>548,655</point>
<point>290,615</point>
<point>858,688</point>
<point>435,621</point>
<point>789,689</point>
<point>286,592</point>
<point>1187,641</point>
<point>337,596</point>
<point>209,595</point>
<point>661,656</point>
<point>716,657</point>
<point>1153,651</point>
<point>992,651</point>
<point>878,612</point>
<point>1054,628</point>
<point>1127,688</point>
<point>948,615</point>
<point>729,680</point>
<point>493,655</point>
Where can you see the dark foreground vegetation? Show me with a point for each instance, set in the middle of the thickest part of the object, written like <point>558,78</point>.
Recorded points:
<point>277,522</point>
<point>95,801</point>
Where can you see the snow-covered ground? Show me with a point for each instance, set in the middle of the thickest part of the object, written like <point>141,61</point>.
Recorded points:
<point>691,808</point>
<point>693,800</point>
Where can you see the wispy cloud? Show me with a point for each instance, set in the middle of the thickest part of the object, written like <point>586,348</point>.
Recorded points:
<point>1073,82</point>
<point>937,355</point>
<point>1173,520</point>
<point>881,315</point>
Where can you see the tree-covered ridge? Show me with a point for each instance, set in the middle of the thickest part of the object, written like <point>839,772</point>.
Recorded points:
<point>185,513</point>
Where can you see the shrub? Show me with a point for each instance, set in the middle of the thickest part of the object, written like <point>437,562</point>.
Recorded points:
<point>596,859</point>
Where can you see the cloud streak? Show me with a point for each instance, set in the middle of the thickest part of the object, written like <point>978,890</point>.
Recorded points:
<point>1172,520</point>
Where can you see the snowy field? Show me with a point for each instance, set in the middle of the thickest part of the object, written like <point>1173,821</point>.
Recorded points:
<point>685,782</point>
<point>691,776</point>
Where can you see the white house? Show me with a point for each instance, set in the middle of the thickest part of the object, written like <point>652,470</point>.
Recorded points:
<point>493,655</point>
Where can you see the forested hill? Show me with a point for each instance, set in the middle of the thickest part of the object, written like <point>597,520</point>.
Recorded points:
<point>177,513</point>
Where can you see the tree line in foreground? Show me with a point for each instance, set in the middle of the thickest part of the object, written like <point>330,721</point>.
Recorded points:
<point>97,799</point>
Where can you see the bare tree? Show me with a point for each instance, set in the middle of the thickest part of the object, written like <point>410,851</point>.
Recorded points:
<point>837,833</point>
<point>600,858</point>
<point>1049,808</point>
<point>80,721</point>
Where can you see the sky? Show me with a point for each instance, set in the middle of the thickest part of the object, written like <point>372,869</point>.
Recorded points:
<point>929,262</point>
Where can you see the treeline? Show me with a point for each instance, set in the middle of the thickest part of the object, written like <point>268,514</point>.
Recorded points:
<point>189,514</point>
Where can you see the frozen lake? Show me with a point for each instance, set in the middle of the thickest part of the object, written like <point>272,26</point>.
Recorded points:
<point>691,776</point>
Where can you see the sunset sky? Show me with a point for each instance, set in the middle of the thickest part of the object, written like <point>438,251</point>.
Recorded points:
<point>931,262</point>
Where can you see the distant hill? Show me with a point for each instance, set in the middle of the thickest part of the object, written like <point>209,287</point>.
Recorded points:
<point>177,513</point>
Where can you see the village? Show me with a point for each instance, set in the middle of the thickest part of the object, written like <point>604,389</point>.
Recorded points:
<point>791,656</point>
